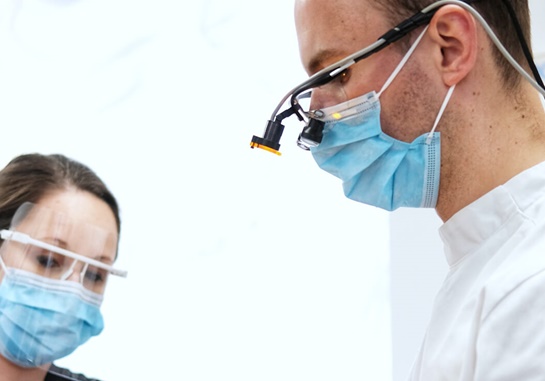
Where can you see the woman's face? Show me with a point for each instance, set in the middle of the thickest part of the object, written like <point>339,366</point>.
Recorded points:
<point>73,220</point>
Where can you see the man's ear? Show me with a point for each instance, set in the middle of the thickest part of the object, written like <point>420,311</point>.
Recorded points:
<point>454,32</point>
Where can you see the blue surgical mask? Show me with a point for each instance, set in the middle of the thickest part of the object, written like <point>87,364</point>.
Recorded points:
<point>42,320</point>
<point>375,168</point>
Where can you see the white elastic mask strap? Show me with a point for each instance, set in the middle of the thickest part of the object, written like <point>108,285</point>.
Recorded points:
<point>3,265</point>
<point>440,114</point>
<point>402,63</point>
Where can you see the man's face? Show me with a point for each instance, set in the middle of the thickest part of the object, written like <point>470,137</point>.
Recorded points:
<point>329,30</point>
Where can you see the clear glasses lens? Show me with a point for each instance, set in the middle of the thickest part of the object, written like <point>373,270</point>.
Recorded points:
<point>324,96</point>
<point>53,265</point>
<point>49,244</point>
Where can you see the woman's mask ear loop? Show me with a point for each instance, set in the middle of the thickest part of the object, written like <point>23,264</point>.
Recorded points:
<point>440,114</point>
<point>3,265</point>
<point>402,63</point>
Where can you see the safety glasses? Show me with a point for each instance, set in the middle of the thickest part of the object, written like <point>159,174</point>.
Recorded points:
<point>54,246</point>
<point>55,262</point>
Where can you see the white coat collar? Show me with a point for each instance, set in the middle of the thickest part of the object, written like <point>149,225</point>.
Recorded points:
<point>472,226</point>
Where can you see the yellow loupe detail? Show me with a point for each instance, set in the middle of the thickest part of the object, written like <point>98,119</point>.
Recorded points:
<point>257,145</point>
<point>337,115</point>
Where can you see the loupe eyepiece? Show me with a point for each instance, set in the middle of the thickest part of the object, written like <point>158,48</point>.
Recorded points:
<point>311,135</point>
<point>271,140</point>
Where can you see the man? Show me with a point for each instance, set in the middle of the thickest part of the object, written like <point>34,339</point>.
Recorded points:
<point>488,125</point>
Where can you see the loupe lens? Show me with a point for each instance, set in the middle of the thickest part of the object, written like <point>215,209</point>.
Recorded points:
<point>304,144</point>
<point>312,134</point>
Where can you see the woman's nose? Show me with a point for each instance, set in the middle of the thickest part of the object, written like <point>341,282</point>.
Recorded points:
<point>73,274</point>
<point>74,277</point>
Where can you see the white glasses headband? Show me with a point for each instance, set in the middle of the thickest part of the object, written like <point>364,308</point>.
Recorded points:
<point>26,240</point>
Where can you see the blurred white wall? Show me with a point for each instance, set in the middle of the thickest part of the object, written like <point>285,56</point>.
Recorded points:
<point>538,33</point>
<point>242,265</point>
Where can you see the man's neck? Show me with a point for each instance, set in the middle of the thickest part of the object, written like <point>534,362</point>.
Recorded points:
<point>488,145</point>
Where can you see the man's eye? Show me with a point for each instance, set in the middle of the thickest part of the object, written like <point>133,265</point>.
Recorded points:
<point>343,77</point>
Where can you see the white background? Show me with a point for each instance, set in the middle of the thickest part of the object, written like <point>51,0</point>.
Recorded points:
<point>242,265</point>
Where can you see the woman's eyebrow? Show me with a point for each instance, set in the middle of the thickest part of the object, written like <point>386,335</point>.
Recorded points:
<point>54,241</point>
<point>64,245</point>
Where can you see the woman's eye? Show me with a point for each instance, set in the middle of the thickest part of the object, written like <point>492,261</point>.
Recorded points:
<point>94,276</point>
<point>47,261</point>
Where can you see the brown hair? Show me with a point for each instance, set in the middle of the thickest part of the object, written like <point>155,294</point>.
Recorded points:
<point>28,177</point>
<point>496,14</point>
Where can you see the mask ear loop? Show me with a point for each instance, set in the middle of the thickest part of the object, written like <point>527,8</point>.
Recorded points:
<point>440,114</point>
<point>3,265</point>
<point>82,273</point>
<point>402,63</point>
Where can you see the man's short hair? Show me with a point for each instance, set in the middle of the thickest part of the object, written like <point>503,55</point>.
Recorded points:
<point>495,12</point>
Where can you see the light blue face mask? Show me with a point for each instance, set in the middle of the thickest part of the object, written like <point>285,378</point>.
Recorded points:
<point>42,320</point>
<point>375,168</point>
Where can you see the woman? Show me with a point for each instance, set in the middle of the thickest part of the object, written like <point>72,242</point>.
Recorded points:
<point>60,227</point>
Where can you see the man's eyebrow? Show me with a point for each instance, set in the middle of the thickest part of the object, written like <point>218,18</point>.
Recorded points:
<point>317,62</point>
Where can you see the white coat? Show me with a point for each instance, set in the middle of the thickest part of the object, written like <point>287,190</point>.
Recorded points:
<point>488,320</point>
